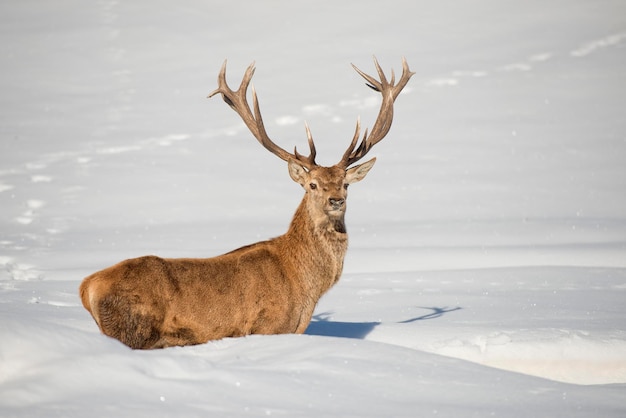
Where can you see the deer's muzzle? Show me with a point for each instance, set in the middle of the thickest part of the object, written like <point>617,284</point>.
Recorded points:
<point>336,203</point>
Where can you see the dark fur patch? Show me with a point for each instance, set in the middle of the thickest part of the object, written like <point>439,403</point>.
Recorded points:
<point>184,334</point>
<point>340,226</point>
<point>117,320</point>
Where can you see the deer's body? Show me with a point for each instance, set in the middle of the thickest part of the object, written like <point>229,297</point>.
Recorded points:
<point>270,287</point>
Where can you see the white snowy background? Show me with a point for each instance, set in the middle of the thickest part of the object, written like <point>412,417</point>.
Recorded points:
<point>486,274</point>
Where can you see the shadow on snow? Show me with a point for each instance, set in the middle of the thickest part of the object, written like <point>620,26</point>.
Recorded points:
<point>322,325</point>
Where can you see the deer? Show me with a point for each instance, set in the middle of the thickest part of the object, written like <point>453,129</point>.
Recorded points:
<point>269,287</point>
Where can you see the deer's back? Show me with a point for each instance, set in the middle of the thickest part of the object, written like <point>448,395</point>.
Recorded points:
<point>196,300</point>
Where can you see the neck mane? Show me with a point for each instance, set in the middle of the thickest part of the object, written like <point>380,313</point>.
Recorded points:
<point>318,246</point>
<point>322,228</point>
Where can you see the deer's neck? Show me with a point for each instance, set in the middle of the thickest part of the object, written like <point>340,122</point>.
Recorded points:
<point>318,245</point>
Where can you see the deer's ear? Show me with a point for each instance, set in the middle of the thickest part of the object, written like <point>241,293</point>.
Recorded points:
<point>298,173</point>
<point>358,173</point>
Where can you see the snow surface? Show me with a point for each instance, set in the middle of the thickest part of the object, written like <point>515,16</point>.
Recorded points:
<point>487,269</point>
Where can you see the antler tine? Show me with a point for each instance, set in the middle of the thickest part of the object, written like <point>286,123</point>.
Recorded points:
<point>313,151</point>
<point>371,81</point>
<point>238,101</point>
<point>390,92</point>
<point>355,138</point>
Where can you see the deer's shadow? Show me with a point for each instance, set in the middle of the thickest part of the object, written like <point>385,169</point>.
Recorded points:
<point>322,325</point>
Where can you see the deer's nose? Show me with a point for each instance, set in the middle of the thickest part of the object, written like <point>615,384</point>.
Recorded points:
<point>336,203</point>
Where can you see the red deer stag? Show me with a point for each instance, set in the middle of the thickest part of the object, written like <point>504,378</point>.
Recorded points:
<point>270,287</point>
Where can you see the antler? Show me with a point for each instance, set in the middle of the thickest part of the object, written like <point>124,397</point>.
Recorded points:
<point>239,102</point>
<point>382,125</point>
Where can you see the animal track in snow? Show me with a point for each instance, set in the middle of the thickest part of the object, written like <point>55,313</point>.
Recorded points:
<point>60,299</point>
<point>443,81</point>
<point>4,187</point>
<point>457,76</point>
<point>22,272</point>
<point>540,57</point>
<point>327,111</point>
<point>119,149</point>
<point>518,66</point>
<point>40,179</point>
<point>167,140</point>
<point>286,120</point>
<point>30,214</point>
<point>530,62</point>
<point>365,103</point>
<point>593,46</point>
<point>470,73</point>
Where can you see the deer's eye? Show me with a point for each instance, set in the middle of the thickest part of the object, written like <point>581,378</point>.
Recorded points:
<point>313,186</point>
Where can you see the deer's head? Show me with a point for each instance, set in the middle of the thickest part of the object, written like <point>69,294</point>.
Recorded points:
<point>326,187</point>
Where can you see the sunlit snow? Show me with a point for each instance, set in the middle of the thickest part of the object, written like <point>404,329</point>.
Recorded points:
<point>486,274</point>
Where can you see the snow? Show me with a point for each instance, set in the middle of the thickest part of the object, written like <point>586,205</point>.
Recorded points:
<point>486,274</point>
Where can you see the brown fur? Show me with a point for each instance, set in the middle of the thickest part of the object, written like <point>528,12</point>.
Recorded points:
<point>269,287</point>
